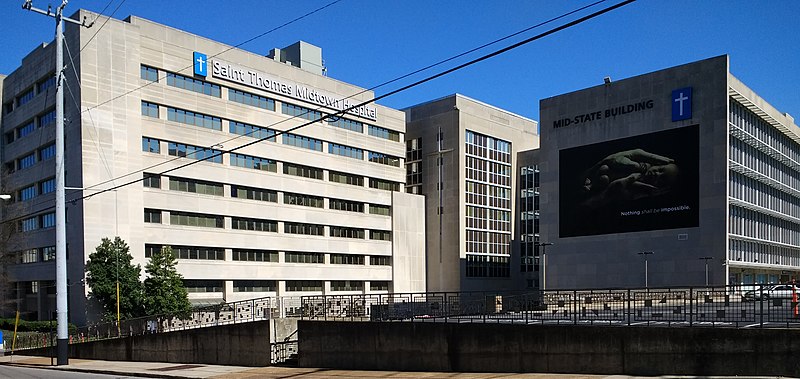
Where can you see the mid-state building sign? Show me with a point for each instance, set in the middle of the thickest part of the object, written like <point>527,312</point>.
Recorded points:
<point>224,70</point>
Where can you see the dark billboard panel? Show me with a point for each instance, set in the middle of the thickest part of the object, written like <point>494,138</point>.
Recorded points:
<point>646,182</point>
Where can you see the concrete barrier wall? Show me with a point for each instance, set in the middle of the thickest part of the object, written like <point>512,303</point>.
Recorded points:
<point>549,349</point>
<point>245,344</point>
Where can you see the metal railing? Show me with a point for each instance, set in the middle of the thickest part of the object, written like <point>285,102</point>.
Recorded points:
<point>724,306</point>
<point>215,315</point>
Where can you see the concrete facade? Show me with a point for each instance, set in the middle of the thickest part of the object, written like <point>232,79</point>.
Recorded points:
<point>308,212</point>
<point>731,200</point>
<point>612,350</point>
<point>470,208</point>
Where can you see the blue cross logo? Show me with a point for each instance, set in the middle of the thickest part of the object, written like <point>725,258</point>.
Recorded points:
<point>682,104</point>
<point>200,64</point>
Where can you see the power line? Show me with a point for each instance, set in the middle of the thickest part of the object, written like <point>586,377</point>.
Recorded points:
<point>104,23</point>
<point>321,108</point>
<point>393,92</point>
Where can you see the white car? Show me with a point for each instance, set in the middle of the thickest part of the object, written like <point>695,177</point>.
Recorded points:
<point>774,291</point>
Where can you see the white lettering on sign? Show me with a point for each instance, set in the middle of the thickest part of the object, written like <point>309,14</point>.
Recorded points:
<point>250,78</point>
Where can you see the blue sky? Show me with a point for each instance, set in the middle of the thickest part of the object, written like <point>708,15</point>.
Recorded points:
<point>369,42</point>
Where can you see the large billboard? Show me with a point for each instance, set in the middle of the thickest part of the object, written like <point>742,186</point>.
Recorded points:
<point>646,182</point>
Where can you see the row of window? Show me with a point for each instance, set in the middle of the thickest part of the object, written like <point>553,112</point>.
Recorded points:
<point>152,145</point>
<point>154,216</point>
<point>42,221</point>
<point>200,86</point>
<point>485,266</point>
<point>215,123</point>
<point>217,189</point>
<point>749,223</point>
<point>41,254</point>
<point>31,158</point>
<point>41,86</point>
<point>245,255</point>
<point>754,125</point>
<point>216,286</point>
<point>35,189</point>
<point>28,127</point>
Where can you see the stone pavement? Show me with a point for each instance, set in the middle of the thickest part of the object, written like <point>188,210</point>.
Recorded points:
<point>179,370</point>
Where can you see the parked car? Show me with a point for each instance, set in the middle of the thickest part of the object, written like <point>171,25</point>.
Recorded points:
<point>774,291</point>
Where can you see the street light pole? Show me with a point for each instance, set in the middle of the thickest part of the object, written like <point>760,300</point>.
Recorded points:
<point>544,246</point>
<point>645,254</point>
<point>706,259</point>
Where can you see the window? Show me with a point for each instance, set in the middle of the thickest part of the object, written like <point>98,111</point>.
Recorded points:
<point>196,219</point>
<point>192,285</point>
<point>48,220</point>
<point>384,184</point>
<point>254,193</point>
<point>26,161</point>
<point>198,252</point>
<point>149,73</point>
<point>152,216</point>
<point>251,99</point>
<point>303,285</point>
<point>384,133</point>
<point>304,171</point>
<point>194,152</point>
<point>47,152</point>
<point>346,151</point>
<point>344,232</point>
<point>26,129</point>
<point>151,180</point>
<point>45,84</point>
<point>28,256</point>
<point>27,193</point>
<point>149,109</point>
<point>255,255</point>
<point>346,124</point>
<point>254,286</point>
<point>150,249</point>
<point>381,235</point>
<point>25,97</point>
<point>308,229</point>
<point>251,131</point>
<point>303,257</point>
<point>384,210</point>
<point>256,163</point>
<point>384,159</point>
<point>379,286</point>
<point>340,177</point>
<point>347,259</point>
<point>48,253</point>
<point>380,261</point>
<point>191,84</point>
<point>151,145</point>
<point>347,285</point>
<point>194,118</point>
<point>195,186</point>
<point>46,118</point>
<point>47,186</point>
<point>346,205</point>
<point>241,223</point>
<point>304,200</point>
<point>303,142</point>
<point>301,112</point>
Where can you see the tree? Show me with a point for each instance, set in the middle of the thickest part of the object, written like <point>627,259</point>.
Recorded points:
<point>163,288</point>
<point>111,262</point>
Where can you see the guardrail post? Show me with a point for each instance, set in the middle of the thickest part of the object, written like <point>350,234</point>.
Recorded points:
<point>629,310</point>
<point>692,304</point>
<point>575,306</point>
<point>761,305</point>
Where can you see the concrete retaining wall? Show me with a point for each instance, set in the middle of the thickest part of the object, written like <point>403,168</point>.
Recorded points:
<point>549,349</point>
<point>244,344</point>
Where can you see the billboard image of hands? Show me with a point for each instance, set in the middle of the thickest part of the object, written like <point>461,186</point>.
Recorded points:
<point>640,183</point>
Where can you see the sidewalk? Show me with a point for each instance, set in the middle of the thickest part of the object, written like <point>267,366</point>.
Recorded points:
<point>180,370</point>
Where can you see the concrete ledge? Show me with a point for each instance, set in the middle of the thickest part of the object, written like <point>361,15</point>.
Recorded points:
<point>246,344</point>
<point>548,349</point>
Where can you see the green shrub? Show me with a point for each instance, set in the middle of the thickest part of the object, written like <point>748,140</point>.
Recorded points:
<point>31,326</point>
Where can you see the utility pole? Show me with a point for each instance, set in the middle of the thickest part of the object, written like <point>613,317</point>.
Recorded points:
<point>62,332</point>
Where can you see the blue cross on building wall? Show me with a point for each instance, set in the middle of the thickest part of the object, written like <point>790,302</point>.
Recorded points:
<point>200,64</point>
<point>682,104</point>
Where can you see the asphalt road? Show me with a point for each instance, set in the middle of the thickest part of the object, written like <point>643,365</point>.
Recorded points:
<point>14,372</point>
